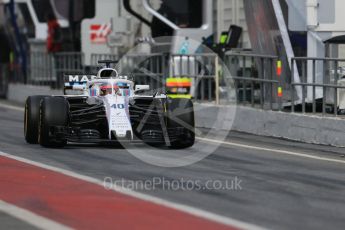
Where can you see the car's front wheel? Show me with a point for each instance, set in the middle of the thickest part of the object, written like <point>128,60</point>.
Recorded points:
<point>31,118</point>
<point>53,113</point>
<point>181,119</point>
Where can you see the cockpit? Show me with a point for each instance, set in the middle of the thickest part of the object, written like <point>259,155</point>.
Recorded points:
<point>117,88</point>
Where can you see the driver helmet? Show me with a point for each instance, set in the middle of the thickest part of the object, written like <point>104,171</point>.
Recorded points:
<point>108,89</point>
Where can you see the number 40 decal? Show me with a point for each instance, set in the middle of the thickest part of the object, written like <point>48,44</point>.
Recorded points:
<point>118,106</point>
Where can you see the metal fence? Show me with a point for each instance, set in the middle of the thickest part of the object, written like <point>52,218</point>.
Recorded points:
<point>256,79</point>
<point>252,75</point>
<point>322,82</point>
<point>40,69</point>
<point>48,69</point>
<point>203,70</point>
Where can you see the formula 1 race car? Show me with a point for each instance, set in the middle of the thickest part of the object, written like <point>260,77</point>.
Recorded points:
<point>110,108</point>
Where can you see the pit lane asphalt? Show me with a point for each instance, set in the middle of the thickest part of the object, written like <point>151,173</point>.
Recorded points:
<point>278,191</point>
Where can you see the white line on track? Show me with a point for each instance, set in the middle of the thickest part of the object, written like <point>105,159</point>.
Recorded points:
<point>169,204</point>
<point>30,218</point>
<point>246,146</point>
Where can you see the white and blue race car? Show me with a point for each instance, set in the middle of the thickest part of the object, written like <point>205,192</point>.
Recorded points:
<point>110,108</point>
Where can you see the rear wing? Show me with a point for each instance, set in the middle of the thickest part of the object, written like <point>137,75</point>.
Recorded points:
<point>76,84</point>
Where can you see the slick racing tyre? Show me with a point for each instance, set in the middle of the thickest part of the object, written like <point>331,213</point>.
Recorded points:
<point>53,112</point>
<point>181,119</point>
<point>31,118</point>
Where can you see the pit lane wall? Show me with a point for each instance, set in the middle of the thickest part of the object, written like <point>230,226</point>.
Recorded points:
<point>297,127</point>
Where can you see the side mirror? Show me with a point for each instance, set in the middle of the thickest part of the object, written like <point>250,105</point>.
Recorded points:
<point>142,87</point>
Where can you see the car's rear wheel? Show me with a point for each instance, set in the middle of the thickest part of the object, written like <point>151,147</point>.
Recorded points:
<point>181,118</point>
<point>31,118</point>
<point>53,113</point>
